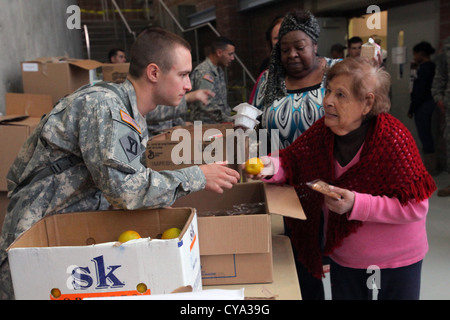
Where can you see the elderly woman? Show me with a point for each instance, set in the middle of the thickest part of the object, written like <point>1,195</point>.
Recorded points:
<point>372,163</point>
<point>290,92</point>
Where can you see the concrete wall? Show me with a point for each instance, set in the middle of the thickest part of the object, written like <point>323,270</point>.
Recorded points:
<point>30,29</point>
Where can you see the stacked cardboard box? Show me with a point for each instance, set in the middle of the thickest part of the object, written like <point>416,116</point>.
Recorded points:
<point>117,72</point>
<point>181,147</point>
<point>23,113</point>
<point>57,76</point>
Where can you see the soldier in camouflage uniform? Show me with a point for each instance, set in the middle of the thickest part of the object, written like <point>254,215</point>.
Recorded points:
<point>209,75</point>
<point>441,94</point>
<point>87,154</point>
<point>166,117</point>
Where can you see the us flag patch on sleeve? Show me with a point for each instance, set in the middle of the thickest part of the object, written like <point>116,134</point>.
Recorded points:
<point>128,119</point>
<point>209,78</point>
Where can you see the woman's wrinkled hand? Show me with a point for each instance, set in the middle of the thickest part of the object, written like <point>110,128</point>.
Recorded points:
<point>268,170</point>
<point>343,205</point>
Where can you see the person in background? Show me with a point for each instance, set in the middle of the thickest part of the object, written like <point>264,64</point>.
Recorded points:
<point>376,219</point>
<point>117,56</point>
<point>290,95</point>
<point>88,153</point>
<point>166,117</point>
<point>354,47</point>
<point>210,75</point>
<point>441,95</point>
<point>422,103</point>
<point>337,51</point>
<point>271,40</point>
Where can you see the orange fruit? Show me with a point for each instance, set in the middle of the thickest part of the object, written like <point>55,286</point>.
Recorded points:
<point>129,235</point>
<point>254,166</point>
<point>171,233</point>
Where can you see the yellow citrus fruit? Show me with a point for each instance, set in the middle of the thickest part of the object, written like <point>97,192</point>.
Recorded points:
<point>254,166</point>
<point>129,235</point>
<point>171,233</point>
<point>141,288</point>
<point>56,293</point>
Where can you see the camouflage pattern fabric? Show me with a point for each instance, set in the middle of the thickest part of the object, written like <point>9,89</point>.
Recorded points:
<point>94,125</point>
<point>208,76</point>
<point>166,117</point>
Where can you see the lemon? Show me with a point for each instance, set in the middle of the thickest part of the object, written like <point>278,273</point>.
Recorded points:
<point>171,233</point>
<point>129,235</point>
<point>56,293</point>
<point>141,288</point>
<point>254,166</point>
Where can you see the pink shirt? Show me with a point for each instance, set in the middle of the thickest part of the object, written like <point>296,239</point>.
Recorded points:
<point>391,236</point>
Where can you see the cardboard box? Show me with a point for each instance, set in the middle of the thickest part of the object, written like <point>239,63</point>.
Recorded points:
<point>23,113</point>
<point>204,144</point>
<point>116,72</point>
<point>76,255</point>
<point>57,76</point>
<point>237,248</point>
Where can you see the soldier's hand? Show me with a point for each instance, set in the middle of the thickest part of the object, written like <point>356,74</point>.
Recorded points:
<point>201,95</point>
<point>218,176</point>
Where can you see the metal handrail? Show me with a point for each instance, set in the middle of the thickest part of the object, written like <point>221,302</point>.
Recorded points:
<point>123,19</point>
<point>88,41</point>
<point>161,2</point>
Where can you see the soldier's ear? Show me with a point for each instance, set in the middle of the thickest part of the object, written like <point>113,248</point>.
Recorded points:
<point>153,72</point>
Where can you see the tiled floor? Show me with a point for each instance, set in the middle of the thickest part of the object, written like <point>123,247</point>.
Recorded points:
<point>436,265</point>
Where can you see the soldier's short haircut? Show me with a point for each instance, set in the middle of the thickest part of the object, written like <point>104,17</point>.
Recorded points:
<point>154,45</point>
<point>221,43</point>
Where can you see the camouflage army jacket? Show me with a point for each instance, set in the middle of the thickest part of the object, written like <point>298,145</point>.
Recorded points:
<point>441,84</point>
<point>94,125</point>
<point>208,76</point>
<point>166,117</point>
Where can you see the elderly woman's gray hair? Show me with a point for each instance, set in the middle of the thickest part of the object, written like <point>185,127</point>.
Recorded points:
<point>366,78</point>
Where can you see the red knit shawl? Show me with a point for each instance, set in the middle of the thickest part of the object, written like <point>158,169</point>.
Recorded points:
<point>389,165</point>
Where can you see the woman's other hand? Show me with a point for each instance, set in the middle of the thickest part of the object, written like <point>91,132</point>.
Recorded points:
<point>344,205</point>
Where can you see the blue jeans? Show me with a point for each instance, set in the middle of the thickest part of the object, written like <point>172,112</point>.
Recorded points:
<point>394,284</point>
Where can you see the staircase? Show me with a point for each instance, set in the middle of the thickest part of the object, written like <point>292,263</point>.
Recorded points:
<point>106,35</point>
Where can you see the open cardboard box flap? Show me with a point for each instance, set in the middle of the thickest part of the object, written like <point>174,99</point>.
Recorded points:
<point>12,118</point>
<point>86,64</point>
<point>283,200</point>
<point>81,63</point>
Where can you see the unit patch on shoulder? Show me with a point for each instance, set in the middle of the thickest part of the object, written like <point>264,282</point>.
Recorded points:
<point>128,119</point>
<point>131,146</point>
<point>208,77</point>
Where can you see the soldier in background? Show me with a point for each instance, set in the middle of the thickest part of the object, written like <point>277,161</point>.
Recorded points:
<point>441,94</point>
<point>117,55</point>
<point>88,153</point>
<point>209,75</point>
<point>166,117</point>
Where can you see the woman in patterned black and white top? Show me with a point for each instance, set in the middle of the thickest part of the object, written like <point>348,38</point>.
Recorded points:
<point>290,92</point>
